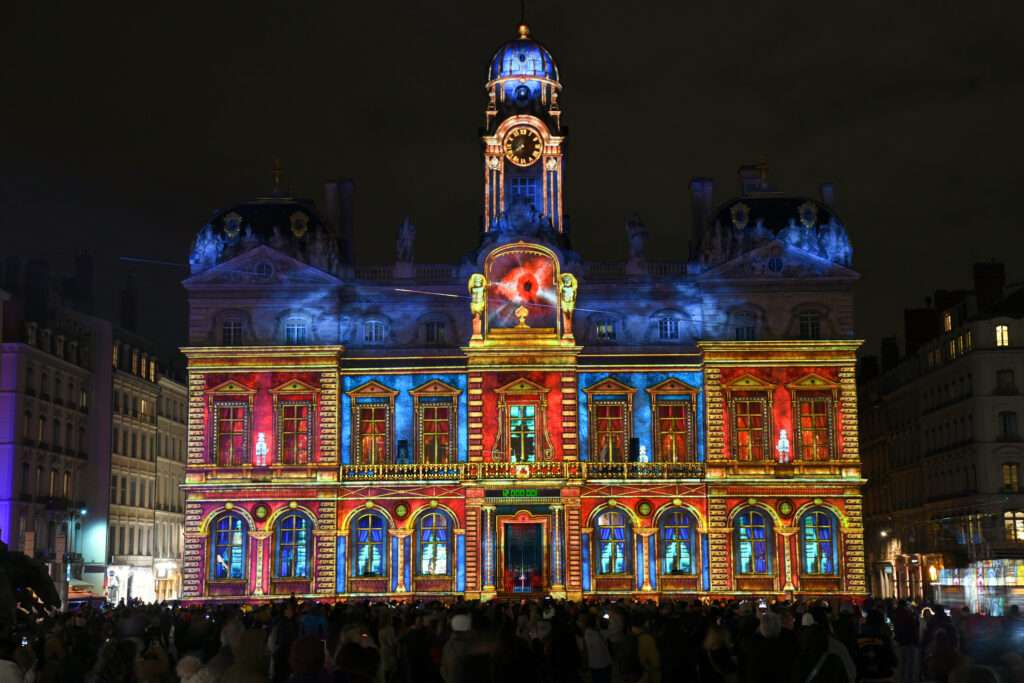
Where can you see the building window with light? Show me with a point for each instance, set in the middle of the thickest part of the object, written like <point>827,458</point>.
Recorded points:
<point>1013,524</point>
<point>668,329</point>
<point>814,427</point>
<point>295,431</point>
<point>373,427</point>
<point>677,542</point>
<point>231,432</point>
<point>294,536</point>
<point>752,538</point>
<point>818,543</point>
<point>750,423</point>
<point>522,432</point>
<point>1002,335</point>
<point>1011,477</point>
<point>1008,426</point>
<point>605,330</point>
<point>434,539</point>
<point>613,542</point>
<point>295,332</point>
<point>610,431</point>
<point>947,322</point>
<point>523,188</point>
<point>435,421</point>
<point>373,332</point>
<point>369,545</point>
<point>227,547</point>
<point>673,431</point>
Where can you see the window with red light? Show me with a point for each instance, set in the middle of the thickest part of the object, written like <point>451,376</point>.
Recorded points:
<point>373,428</point>
<point>295,428</point>
<point>673,431</point>
<point>610,440</point>
<point>750,428</point>
<point>231,432</point>
<point>815,428</point>
<point>435,433</point>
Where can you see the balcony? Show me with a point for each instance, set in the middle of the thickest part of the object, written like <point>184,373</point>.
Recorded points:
<point>538,471</point>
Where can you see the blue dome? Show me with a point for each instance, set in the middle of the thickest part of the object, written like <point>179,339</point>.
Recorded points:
<point>523,58</point>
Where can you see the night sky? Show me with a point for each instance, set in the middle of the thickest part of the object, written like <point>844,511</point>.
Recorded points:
<point>123,127</point>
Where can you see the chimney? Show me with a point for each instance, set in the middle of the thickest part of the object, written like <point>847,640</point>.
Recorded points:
<point>989,280</point>
<point>890,352</point>
<point>338,209</point>
<point>702,192</point>
<point>753,178</point>
<point>828,195</point>
<point>921,325</point>
<point>130,305</point>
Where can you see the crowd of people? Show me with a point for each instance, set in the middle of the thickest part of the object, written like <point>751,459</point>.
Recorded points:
<point>538,641</point>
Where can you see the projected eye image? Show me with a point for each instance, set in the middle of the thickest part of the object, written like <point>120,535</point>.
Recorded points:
<point>524,279</point>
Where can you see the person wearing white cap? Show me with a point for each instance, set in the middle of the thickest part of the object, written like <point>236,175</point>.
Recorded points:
<point>456,650</point>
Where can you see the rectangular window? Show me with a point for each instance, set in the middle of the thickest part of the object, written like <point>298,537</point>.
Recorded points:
<point>673,431</point>
<point>522,430</point>
<point>1014,525</point>
<point>231,423</point>
<point>947,322</point>
<point>750,425</point>
<point>609,431</point>
<point>605,330</point>
<point>120,540</point>
<point>373,434</point>
<point>53,483</point>
<point>26,479</point>
<point>1002,335</point>
<point>810,326</point>
<point>523,188</point>
<point>295,332</point>
<point>436,436</point>
<point>815,441</point>
<point>1011,477</point>
<point>745,326</point>
<point>435,332</point>
<point>1008,426</point>
<point>124,490</point>
<point>373,332</point>
<point>67,485</point>
<point>295,432</point>
<point>1006,382</point>
<point>132,490</point>
<point>668,328</point>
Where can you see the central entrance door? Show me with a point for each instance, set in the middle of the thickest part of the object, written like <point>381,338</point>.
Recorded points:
<point>524,558</point>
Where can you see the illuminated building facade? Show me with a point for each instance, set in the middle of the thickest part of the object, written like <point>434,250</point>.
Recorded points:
<point>943,450</point>
<point>524,421</point>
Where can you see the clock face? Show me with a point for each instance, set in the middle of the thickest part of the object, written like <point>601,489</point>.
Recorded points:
<point>522,146</point>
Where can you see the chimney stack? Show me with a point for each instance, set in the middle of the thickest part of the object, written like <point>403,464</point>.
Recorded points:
<point>828,195</point>
<point>702,192</point>
<point>338,209</point>
<point>989,280</point>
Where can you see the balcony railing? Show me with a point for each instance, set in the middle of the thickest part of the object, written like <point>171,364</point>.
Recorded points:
<point>470,471</point>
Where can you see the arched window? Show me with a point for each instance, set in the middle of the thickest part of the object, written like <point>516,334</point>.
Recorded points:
<point>294,541</point>
<point>752,538</point>
<point>613,542</point>
<point>227,547</point>
<point>373,332</point>
<point>295,331</point>
<point>369,548</point>
<point>434,535</point>
<point>677,535</point>
<point>818,543</point>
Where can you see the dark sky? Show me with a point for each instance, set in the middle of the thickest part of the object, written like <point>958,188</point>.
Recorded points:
<point>122,127</point>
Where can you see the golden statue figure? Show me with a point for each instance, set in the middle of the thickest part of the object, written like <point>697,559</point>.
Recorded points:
<point>567,295</point>
<point>478,302</point>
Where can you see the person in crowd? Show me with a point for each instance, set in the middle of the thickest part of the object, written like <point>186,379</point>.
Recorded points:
<point>718,663</point>
<point>595,647</point>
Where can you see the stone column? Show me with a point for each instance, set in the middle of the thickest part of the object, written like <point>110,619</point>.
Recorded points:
<point>787,533</point>
<point>557,583</point>
<point>401,535</point>
<point>645,533</point>
<point>488,590</point>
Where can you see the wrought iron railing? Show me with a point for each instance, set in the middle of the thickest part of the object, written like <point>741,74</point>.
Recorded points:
<point>472,471</point>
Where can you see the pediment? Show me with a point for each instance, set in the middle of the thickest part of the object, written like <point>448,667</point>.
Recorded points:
<point>435,387</point>
<point>521,386</point>
<point>609,386</point>
<point>262,266</point>
<point>813,382</point>
<point>748,382</point>
<point>294,386</point>
<point>778,261</point>
<point>672,386</point>
<point>373,388</point>
<point>231,387</point>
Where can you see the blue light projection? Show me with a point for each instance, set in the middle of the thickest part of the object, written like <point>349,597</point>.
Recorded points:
<point>404,413</point>
<point>642,427</point>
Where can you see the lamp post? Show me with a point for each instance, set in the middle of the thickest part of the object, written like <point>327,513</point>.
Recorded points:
<point>74,514</point>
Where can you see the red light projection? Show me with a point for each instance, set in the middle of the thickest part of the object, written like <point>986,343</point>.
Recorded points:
<point>522,278</point>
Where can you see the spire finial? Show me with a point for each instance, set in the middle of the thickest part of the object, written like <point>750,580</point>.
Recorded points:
<point>276,174</point>
<point>524,30</point>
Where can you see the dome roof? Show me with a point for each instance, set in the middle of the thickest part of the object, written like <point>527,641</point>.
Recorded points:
<point>523,58</point>
<point>774,212</point>
<point>287,224</point>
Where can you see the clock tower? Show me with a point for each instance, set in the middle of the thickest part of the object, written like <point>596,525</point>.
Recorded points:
<point>523,141</point>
